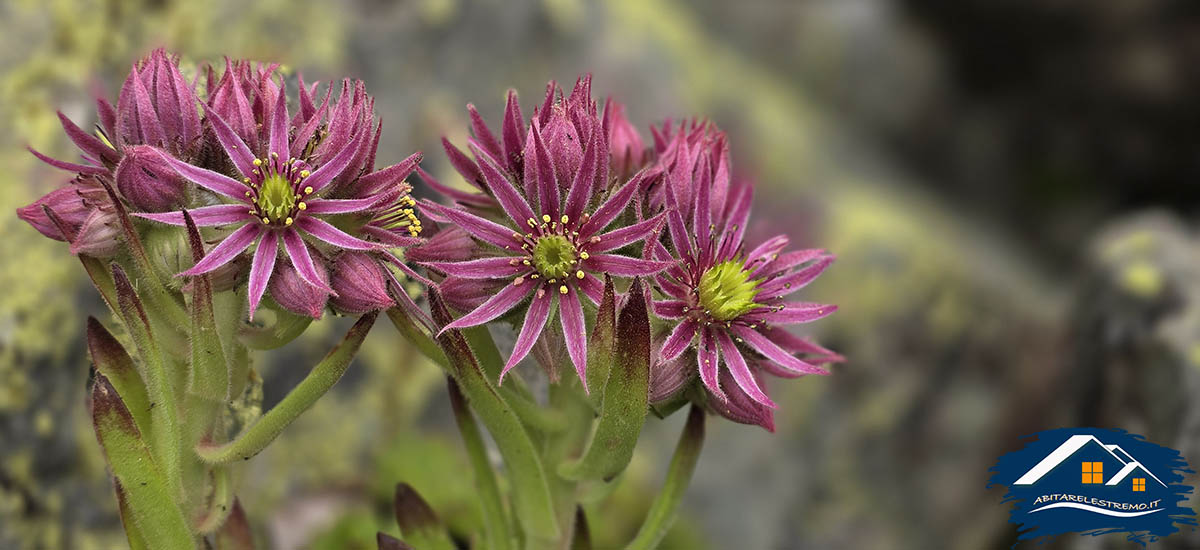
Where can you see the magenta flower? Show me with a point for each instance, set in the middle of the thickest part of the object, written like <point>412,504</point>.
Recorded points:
<point>727,303</point>
<point>280,200</point>
<point>552,252</point>
<point>629,153</point>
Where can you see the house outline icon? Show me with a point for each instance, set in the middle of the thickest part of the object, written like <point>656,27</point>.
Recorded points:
<point>1074,444</point>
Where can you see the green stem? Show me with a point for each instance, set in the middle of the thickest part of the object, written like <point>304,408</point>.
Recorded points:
<point>679,474</point>
<point>262,432</point>
<point>495,520</point>
<point>220,504</point>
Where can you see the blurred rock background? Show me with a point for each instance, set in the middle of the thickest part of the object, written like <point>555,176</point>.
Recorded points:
<point>1011,189</point>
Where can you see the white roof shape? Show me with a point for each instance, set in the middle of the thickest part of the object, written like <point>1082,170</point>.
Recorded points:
<point>1073,444</point>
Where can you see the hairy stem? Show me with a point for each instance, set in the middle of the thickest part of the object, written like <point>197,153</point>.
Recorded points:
<point>679,474</point>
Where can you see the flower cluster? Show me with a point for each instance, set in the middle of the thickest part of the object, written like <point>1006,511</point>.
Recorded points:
<point>572,196</point>
<point>286,191</point>
<point>297,193</point>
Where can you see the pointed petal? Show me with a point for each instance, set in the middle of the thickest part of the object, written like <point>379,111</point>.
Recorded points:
<point>592,288</point>
<point>791,313</point>
<point>707,358</point>
<point>217,183</point>
<point>389,176</point>
<point>483,135</point>
<point>205,216</point>
<point>484,230</point>
<point>332,169</point>
<point>773,352</point>
<point>584,184</point>
<point>740,371</point>
<point>475,199</point>
<point>513,132</point>
<point>261,267</point>
<point>68,166</point>
<point>670,309</point>
<point>238,151</point>
<point>279,126</point>
<point>570,313</point>
<point>509,198</point>
<point>499,304</point>
<point>151,127</point>
<point>297,251</point>
<point>483,268</point>
<point>86,142</point>
<point>321,229</point>
<point>339,206</point>
<point>227,249</point>
<point>647,230</point>
<point>679,340</point>
<point>463,164</point>
<point>535,321</point>
<point>787,284</point>
<point>623,266</point>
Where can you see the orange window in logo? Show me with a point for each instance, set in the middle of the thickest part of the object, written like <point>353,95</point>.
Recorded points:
<point>1093,472</point>
<point>1139,484</point>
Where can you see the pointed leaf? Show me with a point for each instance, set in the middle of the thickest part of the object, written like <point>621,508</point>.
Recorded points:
<point>149,496</point>
<point>235,534</point>
<point>111,360</point>
<point>626,396</point>
<point>208,376</point>
<point>419,525</point>
<point>387,542</point>
<point>600,346</point>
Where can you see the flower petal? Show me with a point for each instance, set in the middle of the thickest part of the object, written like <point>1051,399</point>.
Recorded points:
<point>707,358</point>
<point>227,249</point>
<point>68,166</point>
<point>592,287</point>
<point>238,151</point>
<point>570,313</point>
<point>509,198</point>
<point>217,183</point>
<point>787,284</point>
<point>297,251</point>
<point>623,266</point>
<point>670,309</point>
<point>512,132</point>
<point>483,268</point>
<point>497,305</point>
<point>332,169</point>
<point>535,321</point>
<point>86,142</point>
<point>773,352</point>
<point>740,371</point>
<point>389,176</point>
<point>543,170</point>
<point>791,313</point>
<point>647,230</point>
<point>321,229</point>
<point>339,206</point>
<point>279,126</point>
<point>483,134</point>
<point>261,267</point>
<point>463,164</point>
<point>205,216</point>
<point>475,199</point>
<point>616,203</point>
<point>679,340</point>
<point>585,180</point>
<point>485,230</point>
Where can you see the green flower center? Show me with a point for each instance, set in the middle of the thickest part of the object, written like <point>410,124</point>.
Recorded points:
<point>727,291</point>
<point>553,256</point>
<point>276,198</point>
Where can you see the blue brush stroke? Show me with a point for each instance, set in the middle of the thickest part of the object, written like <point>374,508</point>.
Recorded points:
<point>1043,525</point>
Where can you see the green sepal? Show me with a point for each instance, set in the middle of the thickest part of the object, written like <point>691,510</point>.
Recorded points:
<point>600,345</point>
<point>147,493</point>
<point>267,336</point>
<point>385,541</point>
<point>531,500</point>
<point>419,525</point>
<point>255,437</point>
<point>626,394</point>
<point>208,376</point>
<point>111,360</point>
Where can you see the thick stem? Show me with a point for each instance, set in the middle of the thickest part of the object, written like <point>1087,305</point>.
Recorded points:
<point>494,519</point>
<point>261,433</point>
<point>679,474</point>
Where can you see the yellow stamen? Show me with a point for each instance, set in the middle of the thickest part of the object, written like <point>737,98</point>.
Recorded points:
<point>562,289</point>
<point>258,162</point>
<point>546,218</point>
<point>266,219</point>
<point>304,173</point>
<point>583,255</point>
<point>302,206</point>
<point>287,221</point>
<point>565,219</point>
<point>308,190</point>
<point>579,274</point>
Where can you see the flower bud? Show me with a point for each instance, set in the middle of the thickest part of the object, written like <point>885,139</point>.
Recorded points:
<point>146,180</point>
<point>468,294</point>
<point>66,203</point>
<point>294,294</point>
<point>168,251</point>
<point>450,244</point>
<point>99,236</point>
<point>360,284</point>
<point>563,143</point>
<point>624,142</point>
<point>668,377</point>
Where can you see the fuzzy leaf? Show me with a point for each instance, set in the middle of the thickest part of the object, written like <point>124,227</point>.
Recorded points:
<point>531,500</point>
<point>132,532</point>
<point>255,437</point>
<point>419,525</point>
<point>388,542</point>
<point>495,520</point>
<point>208,376</point>
<point>146,491</point>
<point>582,540</point>
<point>679,474</point>
<point>626,396</point>
<point>262,336</point>
<point>165,433</point>
<point>111,360</point>
<point>600,346</point>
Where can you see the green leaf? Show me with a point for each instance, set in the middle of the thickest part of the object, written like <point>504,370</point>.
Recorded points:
<point>679,474</point>
<point>494,518</point>
<point>531,500</point>
<point>132,532</point>
<point>387,542</point>
<point>600,346</point>
<point>220,502</point>
<point>145,488</point>
<point>419,525</point>
<point>111,360</point>
<point>208,376</point>
<point>285,327</point>
<point>626,395</point>
<point>582,539</point>
<point>164,414</point>
<point>255,437</point>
